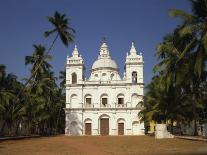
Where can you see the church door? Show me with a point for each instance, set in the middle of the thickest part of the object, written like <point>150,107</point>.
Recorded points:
<point>87,128</point>
<point>120,128</point>
<point>104,126</point>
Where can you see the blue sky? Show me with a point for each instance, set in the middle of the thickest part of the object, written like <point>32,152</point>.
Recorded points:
<point>145,22</point>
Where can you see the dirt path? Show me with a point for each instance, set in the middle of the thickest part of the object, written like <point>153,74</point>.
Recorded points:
<point>112,145</point>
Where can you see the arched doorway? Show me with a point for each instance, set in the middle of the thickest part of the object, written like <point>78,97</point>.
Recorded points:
<point>88,126</point>
<point>74,128</point>
<point>121,128</point>
<point>104,125</point>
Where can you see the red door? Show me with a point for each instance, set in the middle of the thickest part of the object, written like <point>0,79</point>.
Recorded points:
<point>104,126</point>
<point>120,128</point>
<point>87,128</point>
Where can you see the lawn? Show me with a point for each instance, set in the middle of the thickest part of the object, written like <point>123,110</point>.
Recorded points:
<point>100,145</point>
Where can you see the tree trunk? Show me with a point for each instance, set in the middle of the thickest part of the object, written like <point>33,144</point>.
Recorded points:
<point>195,128</point>
<point>2,128</point>
<point>57,121</point>
<point>171,126</point>
<point>17,128</point>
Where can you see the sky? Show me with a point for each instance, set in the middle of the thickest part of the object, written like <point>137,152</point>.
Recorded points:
<point>146,22</point>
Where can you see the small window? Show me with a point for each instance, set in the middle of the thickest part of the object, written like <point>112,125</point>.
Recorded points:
<point>134,77</point>
<point>104,101</point>
<point>96,75</point>
<point>74,78</point>
<point>112,76</point>
<point>120,100</point>
<point>88,100</point>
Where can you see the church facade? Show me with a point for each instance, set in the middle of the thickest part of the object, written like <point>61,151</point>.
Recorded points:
<point>104,104</point>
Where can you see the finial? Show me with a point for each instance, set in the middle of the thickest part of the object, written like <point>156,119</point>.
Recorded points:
<point>132,43</point>
<point>133,49</point>
<point>104,39</point>
<point>75,51</point>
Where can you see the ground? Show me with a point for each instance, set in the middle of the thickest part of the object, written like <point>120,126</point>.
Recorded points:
<point>101,145</point>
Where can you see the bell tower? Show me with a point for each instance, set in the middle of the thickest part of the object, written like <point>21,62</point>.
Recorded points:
<point>134,66</point>
<point>75,68</point>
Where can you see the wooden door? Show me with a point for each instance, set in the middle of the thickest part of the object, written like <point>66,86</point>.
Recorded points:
<point>120,128</point>
<point>87,128</point>
<point>104,126</point>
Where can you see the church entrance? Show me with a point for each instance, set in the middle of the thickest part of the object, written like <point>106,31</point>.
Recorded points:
<point>120,128</point>
<point>104,126</point>
<point>87,128</point>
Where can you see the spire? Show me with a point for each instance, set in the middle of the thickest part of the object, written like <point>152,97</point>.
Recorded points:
<point>133,49</point>
<point>75,52</point>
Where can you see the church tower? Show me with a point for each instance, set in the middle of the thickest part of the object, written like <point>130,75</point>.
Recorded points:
<point>75,68</point>
<point>134,66</point>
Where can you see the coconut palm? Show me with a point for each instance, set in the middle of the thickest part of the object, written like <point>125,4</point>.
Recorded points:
<point>35,60</point>
<point>194,24</point>
<point>10,113</point>
<point>63,30</point>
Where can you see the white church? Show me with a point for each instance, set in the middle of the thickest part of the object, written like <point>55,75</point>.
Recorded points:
<point>106,103</point>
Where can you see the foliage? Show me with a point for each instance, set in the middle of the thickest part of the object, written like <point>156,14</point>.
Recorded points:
<point>36,106</point>
<point>178,90</point>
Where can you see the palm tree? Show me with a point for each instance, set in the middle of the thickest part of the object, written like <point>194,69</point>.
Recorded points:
<point>182,67</point>
<point>36,59</point>
<point>10,113</point>
<point>62,30</point>
<point>195,25</point>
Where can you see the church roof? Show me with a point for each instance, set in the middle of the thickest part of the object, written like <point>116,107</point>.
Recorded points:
<point>104,63</point>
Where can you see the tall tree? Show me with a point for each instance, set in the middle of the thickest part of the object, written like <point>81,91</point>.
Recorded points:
<point>62,30</point>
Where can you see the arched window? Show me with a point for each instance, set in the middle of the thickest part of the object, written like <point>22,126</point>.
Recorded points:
<point>88,100</point>
<point>120,99</point>
<point>104,99</point>
<point>134,77</point>
<point>112,76</point>
<point>74,78</point>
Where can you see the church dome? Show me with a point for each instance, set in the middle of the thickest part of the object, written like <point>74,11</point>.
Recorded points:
<point>104,63</point>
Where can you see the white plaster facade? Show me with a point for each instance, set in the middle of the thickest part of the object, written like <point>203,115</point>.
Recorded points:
<point>105,104</point>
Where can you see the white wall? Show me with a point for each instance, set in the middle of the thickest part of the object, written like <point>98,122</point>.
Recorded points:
<point>129,117</point>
